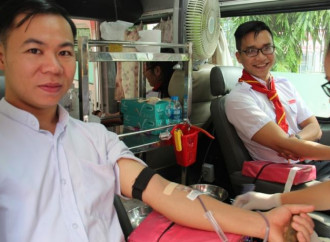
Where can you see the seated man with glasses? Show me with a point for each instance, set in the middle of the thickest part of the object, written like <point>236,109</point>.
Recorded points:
<point>317,195</point>
<point>267,112</point>
<point>159,75</point>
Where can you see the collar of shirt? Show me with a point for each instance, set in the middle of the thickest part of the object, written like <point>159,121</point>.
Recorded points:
<point>260,80</point>
<point>29,119</point>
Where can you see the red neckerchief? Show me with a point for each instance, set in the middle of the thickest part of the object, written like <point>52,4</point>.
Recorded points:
<point>272,96</point>
<point>157,86</point>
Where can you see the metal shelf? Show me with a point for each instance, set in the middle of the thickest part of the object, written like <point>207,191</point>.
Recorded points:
<point>142,140</point>
<point>135,56</point>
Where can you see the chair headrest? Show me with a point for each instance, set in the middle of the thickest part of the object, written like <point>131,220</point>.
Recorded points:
<point>224,78</point>
<point>200,84</point>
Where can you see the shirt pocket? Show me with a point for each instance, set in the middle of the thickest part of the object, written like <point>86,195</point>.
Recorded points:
<point>292,106</point>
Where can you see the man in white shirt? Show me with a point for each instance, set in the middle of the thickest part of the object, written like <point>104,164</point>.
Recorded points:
<point>317,195</point>
<point>282,130</point>
<point>58,175</point>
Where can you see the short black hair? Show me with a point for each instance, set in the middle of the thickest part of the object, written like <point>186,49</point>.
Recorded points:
<point>165,66</point>
<point>248,27</point>
<point>166,71</point>
<point>10,9</point>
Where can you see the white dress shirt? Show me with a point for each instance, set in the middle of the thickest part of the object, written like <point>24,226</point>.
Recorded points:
<point>58,188</point>
<point>249,110</point>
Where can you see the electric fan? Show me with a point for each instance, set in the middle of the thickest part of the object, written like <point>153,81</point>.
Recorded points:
<point>202,24</point>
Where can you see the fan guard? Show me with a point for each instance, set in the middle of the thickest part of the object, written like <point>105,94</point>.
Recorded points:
<point>203,27</point>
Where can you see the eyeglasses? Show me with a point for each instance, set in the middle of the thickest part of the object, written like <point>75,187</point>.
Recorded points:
<point>326,88</point>
<point>252,52</point>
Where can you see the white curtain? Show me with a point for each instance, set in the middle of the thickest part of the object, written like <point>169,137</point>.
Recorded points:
<point>221,55</point>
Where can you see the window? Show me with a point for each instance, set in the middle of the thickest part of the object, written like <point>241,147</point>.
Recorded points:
<point>301,39</point>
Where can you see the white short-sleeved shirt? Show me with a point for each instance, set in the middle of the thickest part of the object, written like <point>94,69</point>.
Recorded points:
<point>58,188</point>
<point>249,110</point>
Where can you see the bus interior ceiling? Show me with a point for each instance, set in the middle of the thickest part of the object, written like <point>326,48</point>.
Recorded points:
<point>134,10</point>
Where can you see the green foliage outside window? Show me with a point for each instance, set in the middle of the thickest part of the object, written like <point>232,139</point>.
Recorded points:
<point>290,31</point>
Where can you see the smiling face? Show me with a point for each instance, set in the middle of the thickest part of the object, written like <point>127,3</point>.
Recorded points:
<point>261,64</point>
<point>39,62</point>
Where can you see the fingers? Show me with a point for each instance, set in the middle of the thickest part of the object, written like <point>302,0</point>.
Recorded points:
<point>288,156</point>
<point>246,201</point>
<point>238,202</point>
<point>299,208</point>
<point>241,200</point>
<point>304,226</point>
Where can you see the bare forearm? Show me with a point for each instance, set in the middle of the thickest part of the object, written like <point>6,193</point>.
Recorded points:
<point>317,195</point>
<point>304,149</point>
<point>272,136</point>
<point>171,200</point>
<point>178,208</point>
<point>311,132</point>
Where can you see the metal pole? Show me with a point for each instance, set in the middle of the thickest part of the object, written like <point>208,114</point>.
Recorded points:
<point>83,78</point>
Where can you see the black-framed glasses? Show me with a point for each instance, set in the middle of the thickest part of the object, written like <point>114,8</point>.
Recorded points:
<point>326,88</point>
<point>252,52</point>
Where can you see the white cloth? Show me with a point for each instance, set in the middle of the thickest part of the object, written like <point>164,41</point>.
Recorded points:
<point>249,110</point>
<point>221,54</point>
<point>58,187</point>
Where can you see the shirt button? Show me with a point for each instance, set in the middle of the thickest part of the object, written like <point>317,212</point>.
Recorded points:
<point>63,181</point>
<point>74,226</point>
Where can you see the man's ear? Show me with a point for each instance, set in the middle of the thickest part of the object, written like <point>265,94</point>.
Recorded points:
<point>157,70</point>
<point>238,57</point>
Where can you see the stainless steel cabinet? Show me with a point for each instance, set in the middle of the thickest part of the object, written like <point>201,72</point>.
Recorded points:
<point>137,141</point>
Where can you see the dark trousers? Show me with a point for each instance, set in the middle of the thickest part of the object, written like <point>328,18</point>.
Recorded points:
<point>322,169</point>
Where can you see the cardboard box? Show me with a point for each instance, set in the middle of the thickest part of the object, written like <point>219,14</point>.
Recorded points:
<point>144,115</point>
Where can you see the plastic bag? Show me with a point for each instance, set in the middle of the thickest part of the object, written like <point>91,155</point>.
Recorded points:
<point>114,30</point>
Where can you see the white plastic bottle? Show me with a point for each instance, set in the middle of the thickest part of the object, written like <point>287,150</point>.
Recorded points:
<point>177,110</point>
<point>169,111</point>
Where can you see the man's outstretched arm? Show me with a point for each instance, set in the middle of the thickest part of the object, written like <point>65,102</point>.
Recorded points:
<point>272,136</point>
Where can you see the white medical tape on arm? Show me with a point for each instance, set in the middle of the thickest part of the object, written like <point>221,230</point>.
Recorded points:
<point>170,188</point>
<point>193,194</point>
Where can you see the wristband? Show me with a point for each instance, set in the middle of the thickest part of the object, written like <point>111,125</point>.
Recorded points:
<point>267,226</point>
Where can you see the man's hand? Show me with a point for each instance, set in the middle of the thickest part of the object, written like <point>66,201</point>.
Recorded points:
<point>280,220</point>
<point>288,154</point>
